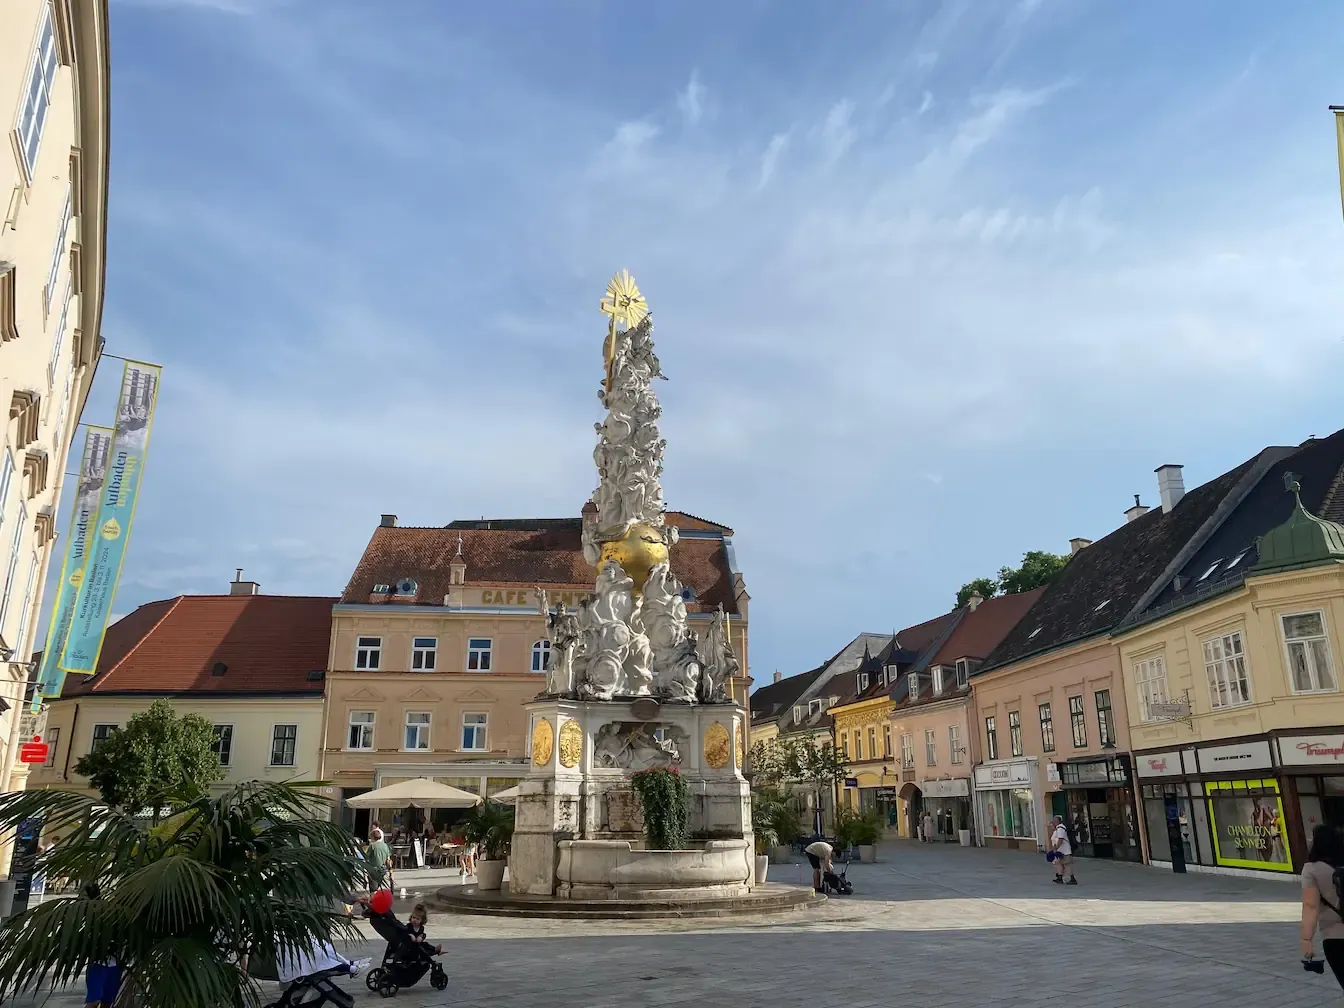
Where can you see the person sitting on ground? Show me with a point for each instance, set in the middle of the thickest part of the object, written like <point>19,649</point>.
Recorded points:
<point>819,854</point>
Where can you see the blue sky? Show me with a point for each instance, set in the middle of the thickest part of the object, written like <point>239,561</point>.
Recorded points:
<point>935,284</point>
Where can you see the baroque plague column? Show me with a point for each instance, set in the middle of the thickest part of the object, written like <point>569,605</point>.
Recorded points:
<point>630,686</point>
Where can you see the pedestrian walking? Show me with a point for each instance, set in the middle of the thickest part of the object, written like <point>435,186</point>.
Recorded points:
<point>1321,900</point>
<point>379,861</point>
<point>928,828</point>
<point>1062,850</point>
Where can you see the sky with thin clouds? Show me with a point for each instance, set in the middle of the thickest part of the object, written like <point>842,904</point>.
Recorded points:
<point>934,284</point>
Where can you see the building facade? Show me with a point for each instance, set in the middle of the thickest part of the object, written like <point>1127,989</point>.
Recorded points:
<point>252,665</point>
<point>53,184</point>
<point>1233,679</point>
<point>440,639</point>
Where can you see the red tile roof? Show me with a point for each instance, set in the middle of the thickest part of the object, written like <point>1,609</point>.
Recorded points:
<point>268,643</point>
<point>545,551</point>
<point>983,627</point>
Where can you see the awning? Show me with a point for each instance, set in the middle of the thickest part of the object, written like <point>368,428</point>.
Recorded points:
<point>420,792</point>
<point>506,797</point>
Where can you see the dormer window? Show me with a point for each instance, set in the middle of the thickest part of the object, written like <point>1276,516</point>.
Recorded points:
<point>797,715</point>
<point>913,685</point>
<point>863,681</point>
<point>964,671</point>
<point>406,587</point>
<point>937,680</point>
<point>814,706</point>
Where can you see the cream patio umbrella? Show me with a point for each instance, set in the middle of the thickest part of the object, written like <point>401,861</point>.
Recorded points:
<point>418,792</point>
<point>506,797</point>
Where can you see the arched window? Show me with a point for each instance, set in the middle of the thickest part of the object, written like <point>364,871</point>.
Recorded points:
<point>541,656</point>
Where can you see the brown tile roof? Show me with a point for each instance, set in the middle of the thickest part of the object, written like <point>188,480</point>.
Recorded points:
<point>981,629</point>
<point>269,644</point>
<point>547,551</point>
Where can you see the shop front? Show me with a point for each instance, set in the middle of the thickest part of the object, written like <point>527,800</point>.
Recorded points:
<point>1100,807</point>
<point>949,802</point>
<point>1006,803</point>
<point>1312,767</point>
<point>1217,807</point>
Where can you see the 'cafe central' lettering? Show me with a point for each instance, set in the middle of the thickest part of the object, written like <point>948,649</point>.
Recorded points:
<point>527,597</point>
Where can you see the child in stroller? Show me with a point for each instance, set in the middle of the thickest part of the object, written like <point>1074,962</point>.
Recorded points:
<point>406,959</point>
<point>838,884</point>
<point>310,977</point>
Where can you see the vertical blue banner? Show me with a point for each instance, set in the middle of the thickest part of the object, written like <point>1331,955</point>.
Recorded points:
<point>116,512</point>
<point>88,495</point>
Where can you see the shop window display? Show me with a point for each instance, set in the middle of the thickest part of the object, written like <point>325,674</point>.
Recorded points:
<point>1248,824</point>
<point>1008,813</point>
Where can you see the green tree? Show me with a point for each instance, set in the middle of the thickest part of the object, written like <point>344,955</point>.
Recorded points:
<point>1038,568</point>
<point>813,762</point>
<point>255,873</point>
<point>157,760</point>
<point>986,587</point>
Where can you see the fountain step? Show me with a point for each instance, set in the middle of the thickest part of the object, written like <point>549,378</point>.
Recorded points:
<point>765,899</point>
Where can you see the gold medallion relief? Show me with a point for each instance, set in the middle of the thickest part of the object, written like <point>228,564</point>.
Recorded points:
<point>717,744</point>
<point>737,738</point>
<point>571,744</point>
<point>543,740</point>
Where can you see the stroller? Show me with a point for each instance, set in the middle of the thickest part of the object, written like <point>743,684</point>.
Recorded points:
<point>307,974</point>
<point>838,884</point>
<point>405,960</point>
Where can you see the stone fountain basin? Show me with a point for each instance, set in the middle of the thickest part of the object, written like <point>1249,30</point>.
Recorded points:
<point>614,869</point>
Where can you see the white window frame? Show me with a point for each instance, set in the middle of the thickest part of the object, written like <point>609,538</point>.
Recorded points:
<point>58,250</point>
<point>294,751</point>
<point>93,734</point>
<point>33,110</point>
<point>480,731</point>
<point>58,340</point>
<point>423,730</point>
<point>954,744</point>
<point>908,750</point>
<point>886,740</point>
<point>224,762</point>
<point>797,714</point>
<point>912,685</point>
<point>481,651</point>
<point>858,744</point>
<point>1015,733</point>
<point>52,737</point>
<point>27,605</point>
<point>991,737</point>
<point>937,680</point>
<point>424,657</point>
<point>930,747</point>
<point>864,680</point>
<point>1227,670</point>
<point>872,743</point>
<point>963,672</point>
<point>15,543</point>
<point>367,730</point>
<point>815,706</point>
<point>541,655</point>
<point>1308,654</point>
<point>368,656</point>
<point>1150,675</point>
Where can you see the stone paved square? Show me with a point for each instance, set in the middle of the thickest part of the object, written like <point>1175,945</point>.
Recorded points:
<point>927,925</point>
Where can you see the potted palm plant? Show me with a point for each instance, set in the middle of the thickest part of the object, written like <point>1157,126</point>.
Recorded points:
<point>490,827</point>
<point>766,839</point>
<point>864,833</point>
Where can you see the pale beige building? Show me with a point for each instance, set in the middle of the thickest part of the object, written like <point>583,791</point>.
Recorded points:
<point>252,665</point>
<point>53,198</point>
<point>438,641</point>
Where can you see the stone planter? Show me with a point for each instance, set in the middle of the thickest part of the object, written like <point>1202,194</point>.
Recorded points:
<point>490,874</point>
<point>965,837</point>
<point>867,852</point>
<point>762,866</point>
<point>781,854</point>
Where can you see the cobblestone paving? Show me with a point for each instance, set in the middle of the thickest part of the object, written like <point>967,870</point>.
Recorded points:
<point>928,925</point>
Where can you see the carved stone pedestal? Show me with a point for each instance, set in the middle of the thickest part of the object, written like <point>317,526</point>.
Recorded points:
<point>578,788</point>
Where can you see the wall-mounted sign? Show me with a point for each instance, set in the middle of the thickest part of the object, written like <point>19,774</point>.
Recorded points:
<point>1052,772</point>
<point>1235,758</point>
<point>526,597</point>
<point>1169,710</point>
<point>958,788</point>
<point>1166,764</point>
<point>851,782</point>
<point>1002,775</point>
<point>1312,750</point>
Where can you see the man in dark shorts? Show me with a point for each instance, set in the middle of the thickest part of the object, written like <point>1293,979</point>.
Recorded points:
<point>819,854</point>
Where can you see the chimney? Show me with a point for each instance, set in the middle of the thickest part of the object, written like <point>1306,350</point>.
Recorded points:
<point>1170,486</point>
<point>778,677</point>
<point>1137,511</point>
<point>240,587</point>
<point>974,601</point>
<point>388,521</point>
<point>1076,545</point>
